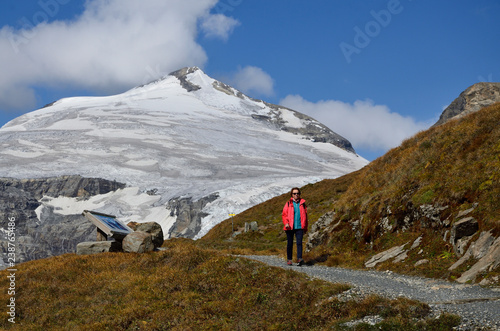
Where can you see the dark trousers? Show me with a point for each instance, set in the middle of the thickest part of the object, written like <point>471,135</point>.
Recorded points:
<point>299,233</point>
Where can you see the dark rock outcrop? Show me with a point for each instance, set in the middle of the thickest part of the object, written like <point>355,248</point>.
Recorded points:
<point>185,83</point>
<point>52,234</point>
<point>471,100</point>
<point>188,215</point>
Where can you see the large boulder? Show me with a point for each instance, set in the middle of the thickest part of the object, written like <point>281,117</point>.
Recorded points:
<point>154,229</point>
<point>138,242</point>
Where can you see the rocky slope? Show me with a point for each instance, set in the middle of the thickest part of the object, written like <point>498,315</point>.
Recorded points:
<point>432,203</point>
<point>429,207</point>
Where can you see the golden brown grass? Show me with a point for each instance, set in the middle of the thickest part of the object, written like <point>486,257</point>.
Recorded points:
<point>184,288</point>
<point>455,165</point>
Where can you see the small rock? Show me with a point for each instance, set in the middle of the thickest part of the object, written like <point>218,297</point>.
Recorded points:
<point>94,247</point>
<point>420,262</point>
<point>416,243</point>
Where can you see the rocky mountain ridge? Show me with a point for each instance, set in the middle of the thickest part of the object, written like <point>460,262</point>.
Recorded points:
<point>474,98</point>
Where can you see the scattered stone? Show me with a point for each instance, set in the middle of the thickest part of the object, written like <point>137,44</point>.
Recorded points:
<point>477,249</point>
<point>446,235</point>
<point>252,226</point>
<point>385,224</point>
<point>318,232</point>
<point>371,320</point>
<point>461,245</point>
<point>489,281</point>
<point>466,212</point>
<point>416,243</point>
<point>420,262</point>
<point>94,247</point>
<point>138,242</point>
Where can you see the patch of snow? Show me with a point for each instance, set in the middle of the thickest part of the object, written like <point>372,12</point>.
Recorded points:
<point>290,118</point>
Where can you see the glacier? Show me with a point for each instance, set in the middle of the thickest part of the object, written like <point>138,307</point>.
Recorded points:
<point>185,135</point>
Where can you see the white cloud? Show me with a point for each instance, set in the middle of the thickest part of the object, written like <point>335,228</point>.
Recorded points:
<point>252,80</point>
<point>113,45</point>
<point>218,26</point>
<point>367,126</point>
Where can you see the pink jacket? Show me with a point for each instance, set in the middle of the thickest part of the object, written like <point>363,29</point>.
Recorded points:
<point>288,214</point>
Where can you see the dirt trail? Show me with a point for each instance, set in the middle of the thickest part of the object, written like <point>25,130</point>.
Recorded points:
<point>478,306</point>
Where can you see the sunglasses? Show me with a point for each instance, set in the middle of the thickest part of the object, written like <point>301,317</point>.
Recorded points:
<point>295,193</point>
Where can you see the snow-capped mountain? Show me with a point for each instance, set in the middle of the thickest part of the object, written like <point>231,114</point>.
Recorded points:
<point>182,139</point>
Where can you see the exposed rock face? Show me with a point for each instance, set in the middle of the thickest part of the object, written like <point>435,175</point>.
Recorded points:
<point>319,231</point>
<point>471,100</point>
<point>386,255</point>
<point>185,83</point>
<point>188,215</point>
<point>488,262</point>
<point>51,234</point>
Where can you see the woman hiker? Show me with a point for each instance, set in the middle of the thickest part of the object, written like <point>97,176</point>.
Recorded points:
<point>295,223</point>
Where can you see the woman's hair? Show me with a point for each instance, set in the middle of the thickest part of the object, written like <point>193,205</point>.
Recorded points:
<point>293,189</point>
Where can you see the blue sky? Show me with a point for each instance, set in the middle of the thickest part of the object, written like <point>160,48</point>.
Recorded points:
<point>375,71</point>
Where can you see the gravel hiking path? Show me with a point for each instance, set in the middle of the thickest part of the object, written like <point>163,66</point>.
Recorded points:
<point>479,307</point>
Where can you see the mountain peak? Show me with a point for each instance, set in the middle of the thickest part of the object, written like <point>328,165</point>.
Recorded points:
<point>188,138</point>
<point>182,74</point>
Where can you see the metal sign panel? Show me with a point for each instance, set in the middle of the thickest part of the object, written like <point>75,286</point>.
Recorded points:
<point>107,223</point>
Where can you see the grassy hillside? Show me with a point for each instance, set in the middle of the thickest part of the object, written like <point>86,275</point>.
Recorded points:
<point>454,166</point>
<point>187,288</point>
<point>197,285</point>
<point>270,238</point>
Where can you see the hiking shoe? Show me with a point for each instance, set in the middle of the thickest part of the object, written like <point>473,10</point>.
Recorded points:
<point>289,262</point>
<point>300,262</point>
